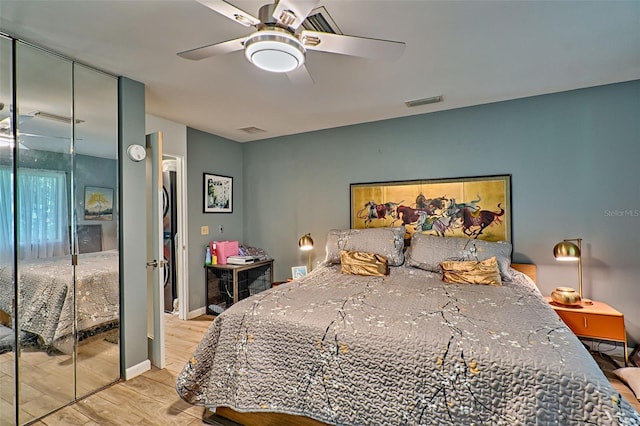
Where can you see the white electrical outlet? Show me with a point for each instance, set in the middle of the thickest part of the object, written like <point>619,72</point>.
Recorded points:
<point>204,230</point>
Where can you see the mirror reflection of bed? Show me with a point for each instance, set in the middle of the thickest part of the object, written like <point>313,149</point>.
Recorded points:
<point>47,316</point>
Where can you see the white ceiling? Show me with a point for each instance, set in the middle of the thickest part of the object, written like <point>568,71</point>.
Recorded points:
<point>471,52</point>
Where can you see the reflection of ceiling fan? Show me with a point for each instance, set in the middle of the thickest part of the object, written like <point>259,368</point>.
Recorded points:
<point>280,43</point>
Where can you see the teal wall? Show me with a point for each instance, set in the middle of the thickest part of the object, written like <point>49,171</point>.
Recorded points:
<point>133,220</point>
<point>573,157</point>
<point>208,153</point>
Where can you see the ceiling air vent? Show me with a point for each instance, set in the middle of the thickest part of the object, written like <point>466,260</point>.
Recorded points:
<point>252,130</point>
<point>320,20</point>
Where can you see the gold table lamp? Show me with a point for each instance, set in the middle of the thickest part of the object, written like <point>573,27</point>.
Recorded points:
<point>306,244</point>
<point>567,251</point>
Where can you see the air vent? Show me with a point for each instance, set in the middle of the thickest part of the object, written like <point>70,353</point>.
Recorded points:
<point>252,130</point>
<point>320,20</point>
<point>424,101</point>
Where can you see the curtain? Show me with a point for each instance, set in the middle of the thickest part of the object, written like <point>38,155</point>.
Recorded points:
<point>43,212</point>
<point>6,215</point>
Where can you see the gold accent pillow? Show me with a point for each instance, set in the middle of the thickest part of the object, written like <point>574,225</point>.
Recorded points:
<point>484,272</point>
<point>362,263</point>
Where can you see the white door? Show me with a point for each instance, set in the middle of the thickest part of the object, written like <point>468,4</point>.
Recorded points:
<point>155,252</point>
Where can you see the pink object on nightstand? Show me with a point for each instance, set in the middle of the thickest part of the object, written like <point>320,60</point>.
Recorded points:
<point>225,249</point>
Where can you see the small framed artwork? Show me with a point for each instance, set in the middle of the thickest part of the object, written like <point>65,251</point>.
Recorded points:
<point>98,203</point>
<point>298,272</point>
<point>218,194</point>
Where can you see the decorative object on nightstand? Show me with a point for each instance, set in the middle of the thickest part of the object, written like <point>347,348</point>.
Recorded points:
<point>567,251</point>
<point>306,244</point>
<point>566,296</point>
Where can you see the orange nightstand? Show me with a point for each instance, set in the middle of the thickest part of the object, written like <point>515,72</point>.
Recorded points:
<point>596,321</point>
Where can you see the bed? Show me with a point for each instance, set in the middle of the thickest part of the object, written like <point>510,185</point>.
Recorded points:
<point>46,297</point>
<point>405,348</point>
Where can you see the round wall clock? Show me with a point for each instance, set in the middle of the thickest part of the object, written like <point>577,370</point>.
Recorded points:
<point>136,152</point>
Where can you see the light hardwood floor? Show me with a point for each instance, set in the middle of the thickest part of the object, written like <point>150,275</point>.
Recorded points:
<point>151,399</point>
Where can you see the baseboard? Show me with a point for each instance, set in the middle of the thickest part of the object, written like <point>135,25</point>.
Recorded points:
<point>196,313</point>
<point>137,369</point>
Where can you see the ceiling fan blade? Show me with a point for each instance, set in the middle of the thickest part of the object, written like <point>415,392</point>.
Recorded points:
<point>231,12</point>
<point>300,76</point>
<point>300,9</point>
<point>353,46</point>
<point>216,49</point>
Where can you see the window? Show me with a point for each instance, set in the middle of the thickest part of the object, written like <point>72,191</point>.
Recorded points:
<point>43,213</point>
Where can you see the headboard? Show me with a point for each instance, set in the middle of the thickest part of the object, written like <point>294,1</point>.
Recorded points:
<point>527,269</point>
<point>89,238</point>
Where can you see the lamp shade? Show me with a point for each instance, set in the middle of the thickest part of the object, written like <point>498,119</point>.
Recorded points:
<point>566,251</point>
<point>305,242</point>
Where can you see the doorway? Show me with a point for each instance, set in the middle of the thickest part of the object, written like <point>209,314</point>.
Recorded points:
<point>174,231</point>
<point>166,245</point>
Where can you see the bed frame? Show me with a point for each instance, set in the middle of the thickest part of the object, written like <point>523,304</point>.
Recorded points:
<point>225,416</point>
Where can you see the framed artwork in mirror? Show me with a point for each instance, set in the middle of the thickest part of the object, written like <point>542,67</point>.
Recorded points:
<point>98,203</point>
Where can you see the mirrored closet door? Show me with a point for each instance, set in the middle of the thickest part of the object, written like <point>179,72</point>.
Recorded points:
<point>7,247</point>
<point>63,273</point>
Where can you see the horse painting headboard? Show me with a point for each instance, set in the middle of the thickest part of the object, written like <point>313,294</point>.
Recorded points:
<point>470,207</point>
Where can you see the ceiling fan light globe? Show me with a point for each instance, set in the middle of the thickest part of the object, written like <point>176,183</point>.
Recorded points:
<point>274,60</point>
<point>274,51</point>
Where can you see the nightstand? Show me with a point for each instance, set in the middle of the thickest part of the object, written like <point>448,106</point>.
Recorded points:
<point>596,321</point>
<point>227,284</point>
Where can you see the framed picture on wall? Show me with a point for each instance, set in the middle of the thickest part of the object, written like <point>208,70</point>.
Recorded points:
<point>98,203</point>
<point>218,194</point>
<point>468,207</point>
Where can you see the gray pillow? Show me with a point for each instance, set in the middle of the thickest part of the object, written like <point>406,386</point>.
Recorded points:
<point>388,242</point>
<point>427,251</point>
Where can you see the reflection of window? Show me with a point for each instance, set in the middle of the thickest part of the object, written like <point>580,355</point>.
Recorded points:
<point>43,213</point>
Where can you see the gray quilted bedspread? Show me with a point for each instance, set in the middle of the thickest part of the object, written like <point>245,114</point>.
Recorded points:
<point>407,349</point>
<point>46,295</point>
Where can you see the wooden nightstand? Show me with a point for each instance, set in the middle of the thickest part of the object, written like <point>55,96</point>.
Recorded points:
<point>596,321</point>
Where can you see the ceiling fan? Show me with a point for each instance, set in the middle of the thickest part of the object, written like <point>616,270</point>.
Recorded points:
<point>280,43</point>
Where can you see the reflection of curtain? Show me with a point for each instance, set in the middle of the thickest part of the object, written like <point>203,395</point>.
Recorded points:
<point>43,212</point>
<point>6,215</point>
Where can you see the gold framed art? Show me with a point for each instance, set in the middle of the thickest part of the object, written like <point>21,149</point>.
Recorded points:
<point>471,207</point>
